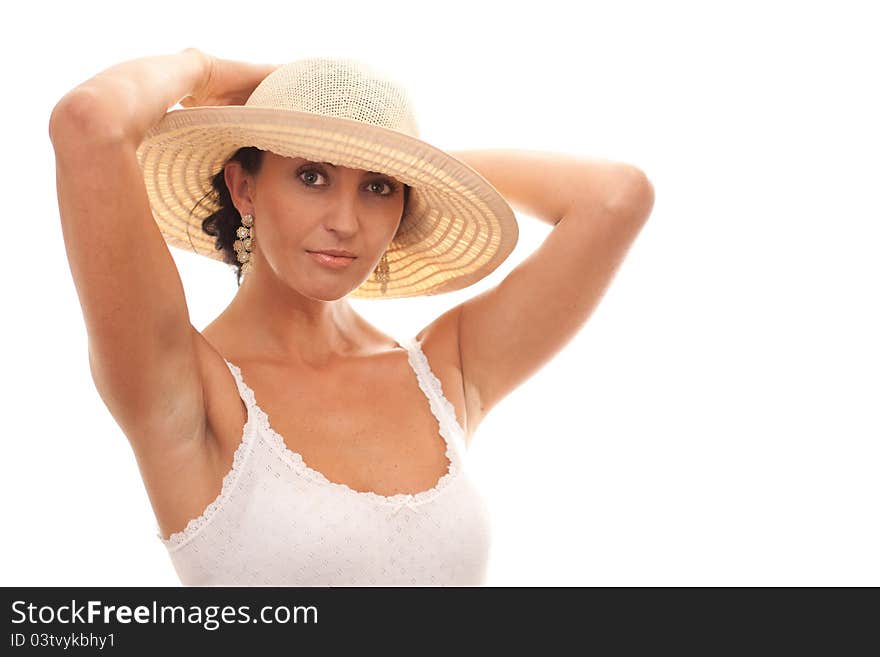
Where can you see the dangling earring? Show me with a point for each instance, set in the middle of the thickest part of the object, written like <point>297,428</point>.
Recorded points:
<point>382,272</point>
<point>244,243</point>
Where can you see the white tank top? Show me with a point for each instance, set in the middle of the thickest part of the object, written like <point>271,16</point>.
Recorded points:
<point>278,522</point>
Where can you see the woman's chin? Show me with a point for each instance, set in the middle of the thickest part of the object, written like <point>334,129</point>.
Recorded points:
<point>330,290</point>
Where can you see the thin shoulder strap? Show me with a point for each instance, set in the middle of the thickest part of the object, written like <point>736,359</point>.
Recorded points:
<point>256,417</point>
<point>246,394</point>
<point>441,407</point>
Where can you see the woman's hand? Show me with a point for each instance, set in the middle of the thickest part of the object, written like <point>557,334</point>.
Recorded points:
<point>227,82</point>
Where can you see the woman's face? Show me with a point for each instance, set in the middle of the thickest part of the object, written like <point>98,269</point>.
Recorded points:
<point>300,206</point>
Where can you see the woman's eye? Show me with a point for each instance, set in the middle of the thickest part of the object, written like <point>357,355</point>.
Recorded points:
<point>380,184</point>
<point>310,172</point>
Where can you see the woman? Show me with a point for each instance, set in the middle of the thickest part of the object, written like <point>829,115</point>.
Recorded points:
<point>359,478</point>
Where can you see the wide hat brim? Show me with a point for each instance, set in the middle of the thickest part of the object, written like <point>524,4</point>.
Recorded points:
<point>457,229</point>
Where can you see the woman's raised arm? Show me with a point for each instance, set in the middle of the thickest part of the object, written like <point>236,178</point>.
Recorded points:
<point>127,99</point>
<point>140,340</point>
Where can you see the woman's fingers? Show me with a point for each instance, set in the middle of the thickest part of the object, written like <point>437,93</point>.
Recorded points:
<point>228,82</point>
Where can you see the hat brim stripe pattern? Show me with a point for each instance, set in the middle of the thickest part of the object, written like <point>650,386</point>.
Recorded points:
<point>457,230</point>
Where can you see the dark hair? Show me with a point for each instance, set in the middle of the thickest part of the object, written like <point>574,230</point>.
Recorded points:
<point>223,223</point>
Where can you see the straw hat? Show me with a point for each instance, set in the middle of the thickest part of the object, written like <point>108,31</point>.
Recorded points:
<point>457,228</point>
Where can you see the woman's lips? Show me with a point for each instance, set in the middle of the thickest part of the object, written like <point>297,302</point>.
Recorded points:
<point>334,262</point>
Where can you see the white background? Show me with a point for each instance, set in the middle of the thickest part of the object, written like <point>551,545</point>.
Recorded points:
<point>716,420</point>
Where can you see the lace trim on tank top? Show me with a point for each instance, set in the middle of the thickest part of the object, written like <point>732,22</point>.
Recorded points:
<point>249,436</point>
<point>258,423</point>
<point>441,407</point>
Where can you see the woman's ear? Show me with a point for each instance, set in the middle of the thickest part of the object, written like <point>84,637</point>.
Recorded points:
<point>240,186</point>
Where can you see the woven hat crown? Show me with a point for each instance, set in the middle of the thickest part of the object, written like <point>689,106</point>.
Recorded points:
<point>341,88</point>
